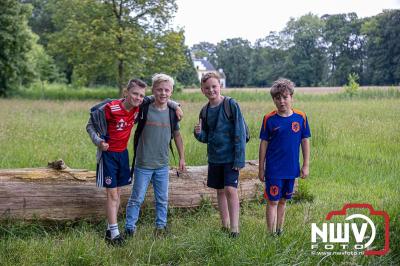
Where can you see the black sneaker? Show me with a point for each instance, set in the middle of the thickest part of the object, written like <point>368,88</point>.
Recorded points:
<point>129,233</point>
<point>108,235</point>
<point>234,234</point>
<point>279,232</point>
<point>116,241</point>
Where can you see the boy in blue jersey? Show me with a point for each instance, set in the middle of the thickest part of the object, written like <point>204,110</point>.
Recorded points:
<point>282,133</point>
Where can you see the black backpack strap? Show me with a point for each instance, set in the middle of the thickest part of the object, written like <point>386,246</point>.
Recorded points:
<point>141,122</point>
<point>173,120</point>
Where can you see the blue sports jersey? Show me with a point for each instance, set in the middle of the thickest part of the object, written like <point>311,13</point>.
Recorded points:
<point>284,135</point>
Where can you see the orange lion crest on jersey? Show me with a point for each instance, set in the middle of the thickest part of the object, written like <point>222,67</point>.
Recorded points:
<point>295,126</point>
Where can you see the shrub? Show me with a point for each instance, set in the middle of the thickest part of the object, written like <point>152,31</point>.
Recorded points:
<point>352,87</point>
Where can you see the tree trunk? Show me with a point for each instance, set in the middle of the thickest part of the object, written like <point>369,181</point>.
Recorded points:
<point>44,193</point>
<point>120,77</point>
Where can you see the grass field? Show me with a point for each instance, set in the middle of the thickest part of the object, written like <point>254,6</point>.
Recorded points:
<point>355,159</point>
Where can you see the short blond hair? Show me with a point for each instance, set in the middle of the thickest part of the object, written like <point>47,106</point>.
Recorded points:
<point>161,77</point>
<point>280,86</point>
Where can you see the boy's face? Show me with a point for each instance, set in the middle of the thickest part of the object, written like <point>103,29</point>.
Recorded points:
<point>162,91</point>
<point>135,95</point>
<point>283,102</point>
<point>211,88</point>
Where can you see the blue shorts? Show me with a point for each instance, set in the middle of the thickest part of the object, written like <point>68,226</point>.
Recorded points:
<point>113,170</point>
<point>222,175</point>
<point>276,189</point>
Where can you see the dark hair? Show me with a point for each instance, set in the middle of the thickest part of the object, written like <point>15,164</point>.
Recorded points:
<point>137,82</point>
<point>280,86</point>
<point>209,75</point>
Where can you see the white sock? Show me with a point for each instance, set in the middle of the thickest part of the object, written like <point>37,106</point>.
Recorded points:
<point>114,230</point>
<point>108,226</point>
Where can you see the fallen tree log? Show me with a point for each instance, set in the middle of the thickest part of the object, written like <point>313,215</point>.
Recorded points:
<point>68,194</point>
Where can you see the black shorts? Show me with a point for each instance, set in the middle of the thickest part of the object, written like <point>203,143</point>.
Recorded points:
<point>222,175</point>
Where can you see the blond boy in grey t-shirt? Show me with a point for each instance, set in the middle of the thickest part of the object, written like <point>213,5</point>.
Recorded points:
<point>152,156</point>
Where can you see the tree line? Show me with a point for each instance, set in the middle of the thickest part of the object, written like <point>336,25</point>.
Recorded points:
<point>106,42</point>
<point>314,51</point>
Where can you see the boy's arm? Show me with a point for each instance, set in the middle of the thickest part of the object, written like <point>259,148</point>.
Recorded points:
<point>261,159</point>
<point>177,107</point>
<point>199,133</point>
<point>148,100</point>
<point>305,149</point>
<point>239,138</point>
<point>179,145</point>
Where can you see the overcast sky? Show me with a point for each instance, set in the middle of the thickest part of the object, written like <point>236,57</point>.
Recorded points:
<point>216,20</point>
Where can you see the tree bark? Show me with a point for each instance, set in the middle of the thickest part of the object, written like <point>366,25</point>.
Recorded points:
<point>44,193</point>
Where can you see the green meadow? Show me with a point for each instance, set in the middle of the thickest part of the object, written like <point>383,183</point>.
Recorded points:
<point>355,158</point>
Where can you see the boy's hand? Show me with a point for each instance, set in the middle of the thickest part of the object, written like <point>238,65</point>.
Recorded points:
<point>197,128</point>
<point>305,171</point>
<point>104,146</point>
<point>182,165</point>
<point>179,113</point>
<point>261,176</point>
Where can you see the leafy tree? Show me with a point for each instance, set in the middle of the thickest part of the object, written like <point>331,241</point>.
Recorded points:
<point>383,48</point>
<point>234,57</point>
<point>205,49</point>
<point>42,65</point>
<point>268,60</point>
<point>306,62</point>
<point>15,43</point>
<point>40,20</point>
<point>188,75</point>
<point>165,53</point>
<point>267,65</point>
<point>113,40</point>
<point>344,45</point>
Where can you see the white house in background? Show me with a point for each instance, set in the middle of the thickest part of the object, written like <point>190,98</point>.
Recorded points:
<point>203,66</point>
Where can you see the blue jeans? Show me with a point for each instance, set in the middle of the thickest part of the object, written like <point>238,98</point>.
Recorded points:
<point>159,178</point>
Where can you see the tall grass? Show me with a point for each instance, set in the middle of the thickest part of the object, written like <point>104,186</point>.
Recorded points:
<point>56,91</point>
<point>355,159</point>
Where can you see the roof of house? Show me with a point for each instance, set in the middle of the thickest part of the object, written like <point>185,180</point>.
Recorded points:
<point>203,64</point>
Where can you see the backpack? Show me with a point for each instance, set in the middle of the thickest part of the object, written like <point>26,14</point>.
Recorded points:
<point>228,112</point>
<point>141,122</point>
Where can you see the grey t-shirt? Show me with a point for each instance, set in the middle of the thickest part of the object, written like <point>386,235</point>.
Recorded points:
<point>153,146</point>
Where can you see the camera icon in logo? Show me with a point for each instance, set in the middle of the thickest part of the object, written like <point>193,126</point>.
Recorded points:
<point>359,234</point>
